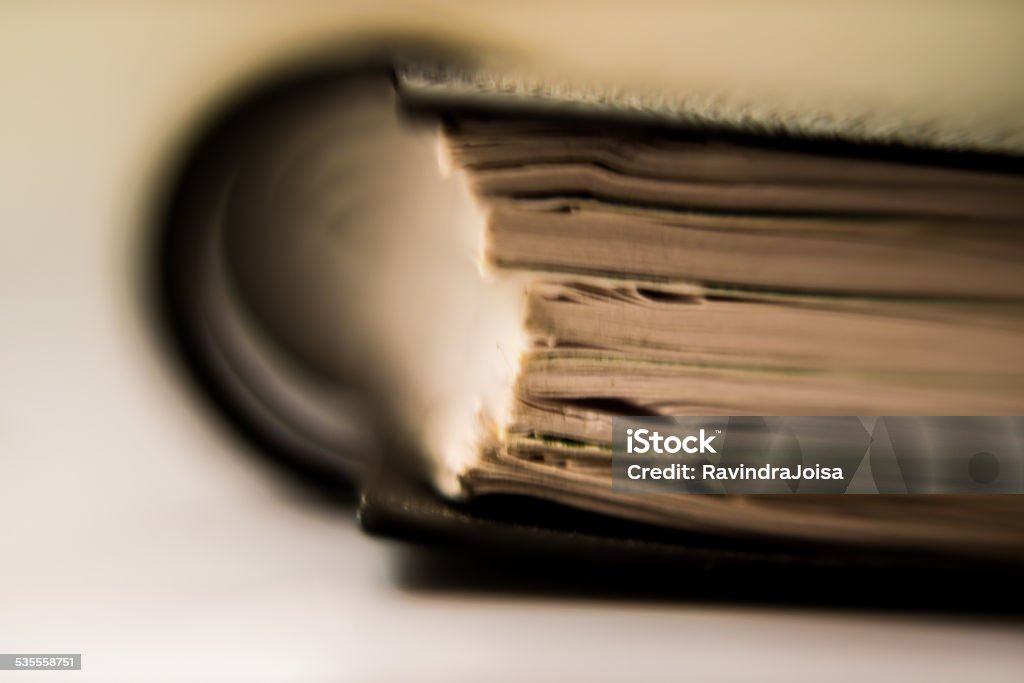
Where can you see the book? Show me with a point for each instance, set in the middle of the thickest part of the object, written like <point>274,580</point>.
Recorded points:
<point>491,274</point>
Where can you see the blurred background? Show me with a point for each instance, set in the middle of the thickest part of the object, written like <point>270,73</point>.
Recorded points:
<point>139,530</point>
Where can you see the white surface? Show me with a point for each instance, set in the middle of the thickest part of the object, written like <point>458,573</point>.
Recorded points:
<point>136,531</point>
